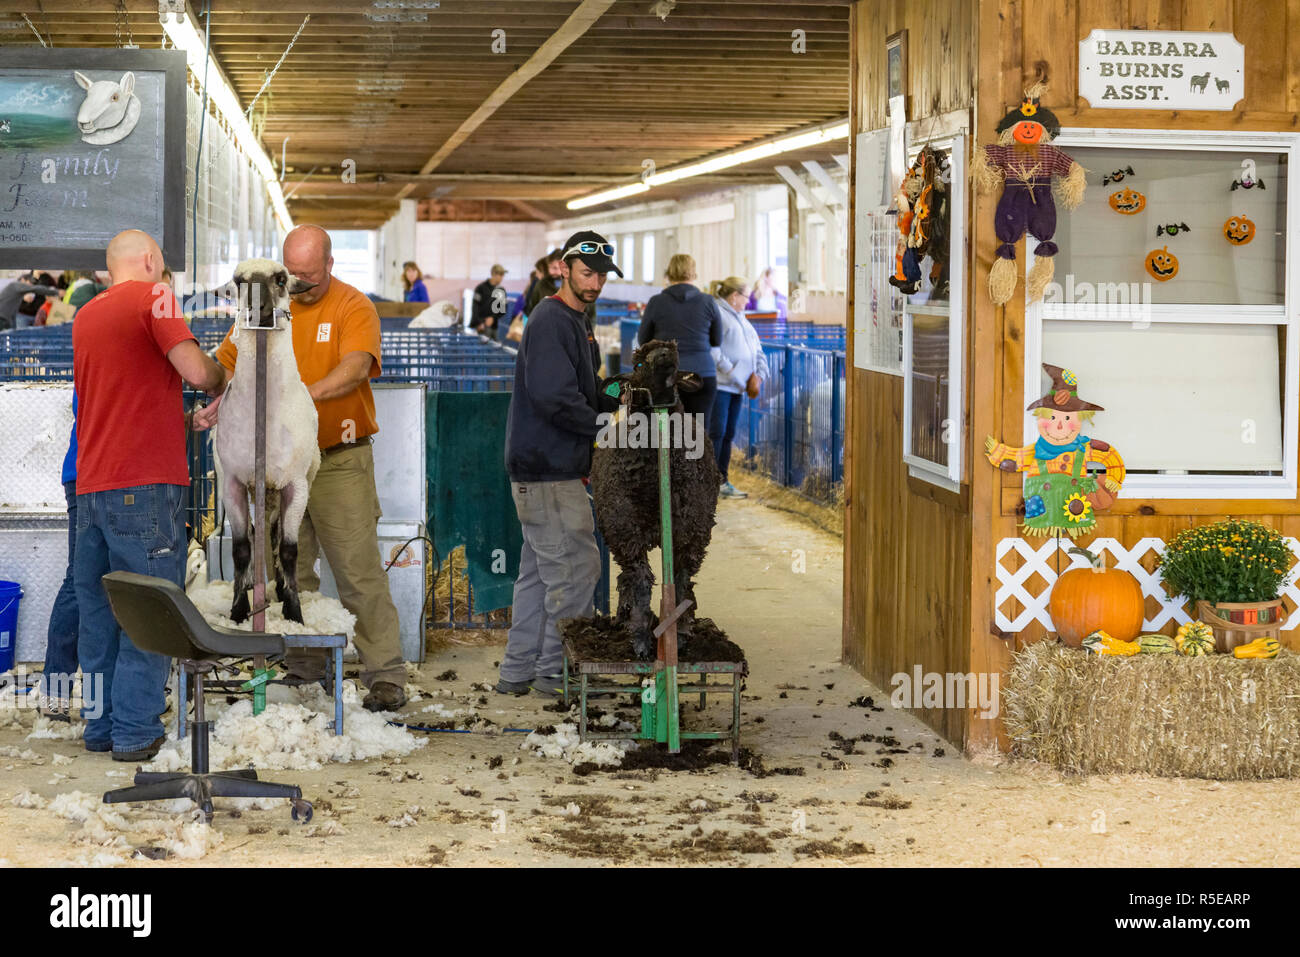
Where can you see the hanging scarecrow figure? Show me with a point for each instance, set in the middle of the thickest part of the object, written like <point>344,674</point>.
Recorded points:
<point>922,203</point>
<point>1060,494</point>
<point>1029,170</point>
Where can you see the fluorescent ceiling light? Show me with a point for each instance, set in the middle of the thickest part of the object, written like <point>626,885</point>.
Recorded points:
<point>185,37</point>
<point>749,154</point>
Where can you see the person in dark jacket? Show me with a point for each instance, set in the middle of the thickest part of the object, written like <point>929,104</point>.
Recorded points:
<point>14,301</point>
<point>549,284</point>
<point>550,430</point>
<point>489,305</point>
<point>687,316</point>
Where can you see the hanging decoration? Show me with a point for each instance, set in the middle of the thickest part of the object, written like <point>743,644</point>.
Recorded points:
<point>1060,494</point>
<point>1162,265</point>
<point>1117,176</point>
<point>1172,229</point>
<point>1239,230</point>
<point>923,225</point>
<point>1248,179</point>
<point>1034,175</point>
<point>1128,202</point>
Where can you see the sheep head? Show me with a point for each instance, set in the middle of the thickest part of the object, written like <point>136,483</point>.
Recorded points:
<point>261,288</point>
<point>105,103</point>
<point>654,381</point>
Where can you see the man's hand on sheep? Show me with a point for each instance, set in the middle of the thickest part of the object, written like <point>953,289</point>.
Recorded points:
<point>206,417</point>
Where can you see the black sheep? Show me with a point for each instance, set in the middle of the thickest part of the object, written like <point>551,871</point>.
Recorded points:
<point>625,486</point>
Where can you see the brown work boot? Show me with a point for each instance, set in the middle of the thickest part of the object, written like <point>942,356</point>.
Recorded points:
<point>384,696</point>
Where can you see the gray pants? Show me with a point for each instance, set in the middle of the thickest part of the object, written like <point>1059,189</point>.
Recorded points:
<point>559,566</point>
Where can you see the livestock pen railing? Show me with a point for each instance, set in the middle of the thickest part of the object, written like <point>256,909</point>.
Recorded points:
<point>794,431</point>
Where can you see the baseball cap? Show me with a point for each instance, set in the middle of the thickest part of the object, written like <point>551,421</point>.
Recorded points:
<point>599,259</point>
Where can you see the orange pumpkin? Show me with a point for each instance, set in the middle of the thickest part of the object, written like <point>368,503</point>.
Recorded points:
<point>1239,230</point>
<point>1127,201</point>
<point>1087,599</point>
<point>1162,264</point>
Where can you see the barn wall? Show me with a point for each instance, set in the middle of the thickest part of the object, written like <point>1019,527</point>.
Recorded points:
<point>907,545</point>
<point>1018,35</point>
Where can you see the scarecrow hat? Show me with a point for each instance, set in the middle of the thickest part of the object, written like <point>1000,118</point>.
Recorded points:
<point>1030,109</point>
<point>1064,396</point>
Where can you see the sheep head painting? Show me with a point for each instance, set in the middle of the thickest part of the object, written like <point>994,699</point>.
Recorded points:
<point>625,486</point>
<point>262,289</point>
<point>110,110</point>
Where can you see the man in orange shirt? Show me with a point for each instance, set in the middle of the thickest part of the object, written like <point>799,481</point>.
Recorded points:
<point>336,341</point>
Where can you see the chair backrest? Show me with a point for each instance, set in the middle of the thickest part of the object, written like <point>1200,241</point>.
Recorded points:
<point>158,616</point>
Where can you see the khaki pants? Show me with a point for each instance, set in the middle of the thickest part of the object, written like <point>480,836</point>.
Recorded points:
<point>342,521</point>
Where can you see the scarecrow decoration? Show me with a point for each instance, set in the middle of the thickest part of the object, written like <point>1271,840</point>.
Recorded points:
<point>923,214</point>
<point>1029,170</point>
<point>1060,494</point>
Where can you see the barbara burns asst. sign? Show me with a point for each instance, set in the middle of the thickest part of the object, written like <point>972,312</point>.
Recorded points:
<point>1161,70</point>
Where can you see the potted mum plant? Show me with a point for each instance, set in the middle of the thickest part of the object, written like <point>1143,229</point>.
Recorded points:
<point>1233,571</point>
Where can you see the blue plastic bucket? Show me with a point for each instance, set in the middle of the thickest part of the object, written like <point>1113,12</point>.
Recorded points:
<point>10,592</point>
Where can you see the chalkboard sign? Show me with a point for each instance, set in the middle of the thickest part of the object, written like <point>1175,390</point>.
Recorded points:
<point>92,142</point>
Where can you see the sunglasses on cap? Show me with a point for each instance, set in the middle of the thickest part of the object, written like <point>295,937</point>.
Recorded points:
<point>589,249</point>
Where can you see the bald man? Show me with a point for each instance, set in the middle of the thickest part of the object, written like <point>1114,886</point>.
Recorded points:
<point>337,344</point>
<point>131,349</point>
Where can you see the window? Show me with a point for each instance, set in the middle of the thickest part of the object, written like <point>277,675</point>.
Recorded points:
<point>1177,317</point>
<point>627,262</point>
<point>933,337</point>
<point>648,257</point>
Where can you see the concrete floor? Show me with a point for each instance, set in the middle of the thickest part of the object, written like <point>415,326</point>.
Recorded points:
<point>929,806</point>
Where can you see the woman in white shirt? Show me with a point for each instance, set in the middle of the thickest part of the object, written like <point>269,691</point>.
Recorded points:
<point>741,366</point>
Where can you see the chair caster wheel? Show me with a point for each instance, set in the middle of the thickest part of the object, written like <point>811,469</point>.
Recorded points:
<point>301,810</point>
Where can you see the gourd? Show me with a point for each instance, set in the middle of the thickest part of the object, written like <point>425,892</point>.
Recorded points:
<point>1157,645</point>
<point>1090,599</point>
<point>1102,643</point>
<point>1195,639</point>
<point>1259,648</point>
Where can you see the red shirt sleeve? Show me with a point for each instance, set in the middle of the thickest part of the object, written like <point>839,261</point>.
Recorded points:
<point>162,315</point>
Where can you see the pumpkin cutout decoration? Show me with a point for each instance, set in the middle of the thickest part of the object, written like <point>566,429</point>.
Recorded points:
<point>1127,201</point>
<point>1162,264</point>
<point>1239,230</point>
<point>1096,598</point>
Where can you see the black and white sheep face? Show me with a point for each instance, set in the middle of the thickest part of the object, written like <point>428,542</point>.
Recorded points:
<point>262,288</point>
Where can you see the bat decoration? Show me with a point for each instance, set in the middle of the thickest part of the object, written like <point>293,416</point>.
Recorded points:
<point>1172,229</point>
<point>1117,176</point>
<point>1249,179</point>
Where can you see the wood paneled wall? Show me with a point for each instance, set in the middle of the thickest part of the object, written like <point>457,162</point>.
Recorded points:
<point>1019,36</point>
<point>919,565</point>
<point>907,548</point>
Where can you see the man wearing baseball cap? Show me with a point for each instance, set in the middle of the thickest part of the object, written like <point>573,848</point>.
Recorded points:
<point>490,303</point>
<point>549,436</point>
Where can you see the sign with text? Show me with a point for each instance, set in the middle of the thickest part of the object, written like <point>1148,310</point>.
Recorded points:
<point>1161,70</point>
<point>91,142</point>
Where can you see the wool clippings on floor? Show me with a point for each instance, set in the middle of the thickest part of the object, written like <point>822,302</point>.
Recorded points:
<point>293,733</point>
<point>176,826</point>
<point>321,615</point>
<point>565,742</point>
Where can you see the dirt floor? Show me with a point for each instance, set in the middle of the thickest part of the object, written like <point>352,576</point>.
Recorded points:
<point>846,780</point>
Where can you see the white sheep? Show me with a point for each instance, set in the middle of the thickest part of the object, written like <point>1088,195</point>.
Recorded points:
<point>263,287</point>
<point>110,110</point>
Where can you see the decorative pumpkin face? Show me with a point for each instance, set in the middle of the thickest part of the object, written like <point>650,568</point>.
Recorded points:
<point>1128,201</point>
<point>1239,230</point>
<point>1028,132</point>
<point>1162,264</point>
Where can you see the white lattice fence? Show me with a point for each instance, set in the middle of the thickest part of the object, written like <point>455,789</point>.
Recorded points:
<point>1017,584</point>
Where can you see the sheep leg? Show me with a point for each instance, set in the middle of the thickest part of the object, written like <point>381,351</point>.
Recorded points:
<point>635,582</point>
<point>293,505</point>
<point>235,496</point>
<point>274,512</point>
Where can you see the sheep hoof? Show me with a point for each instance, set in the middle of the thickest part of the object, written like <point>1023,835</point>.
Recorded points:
<point>239,610</point>
<point>292,609</point>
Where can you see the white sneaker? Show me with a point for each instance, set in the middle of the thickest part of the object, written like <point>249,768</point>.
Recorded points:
<point>727,490</point>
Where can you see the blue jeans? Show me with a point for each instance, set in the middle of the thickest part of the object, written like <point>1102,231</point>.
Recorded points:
<point>722,427</point>
<point>23,321</point>
<point>61,639</point>
<point>136,529</point>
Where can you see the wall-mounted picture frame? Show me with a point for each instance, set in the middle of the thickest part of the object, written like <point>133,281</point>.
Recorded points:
<point>94,143</point>
<point>896,64</point>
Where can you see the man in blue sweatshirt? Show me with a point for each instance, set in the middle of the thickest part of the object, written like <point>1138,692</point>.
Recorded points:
<point>549,436</point>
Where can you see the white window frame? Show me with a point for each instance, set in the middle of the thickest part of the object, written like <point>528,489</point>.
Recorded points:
<point>1287,314</point>
<point>949,477</point>
<point>627,252</point>
<point>648,256</point>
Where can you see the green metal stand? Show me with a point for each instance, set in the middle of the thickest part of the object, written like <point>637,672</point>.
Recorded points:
<point>257,685</point>
<point>667,718</point>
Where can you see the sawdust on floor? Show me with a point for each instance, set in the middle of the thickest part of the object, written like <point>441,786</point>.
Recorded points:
<point>877,787</point>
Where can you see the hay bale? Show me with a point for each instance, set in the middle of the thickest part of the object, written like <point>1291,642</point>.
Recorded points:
<point>1155,714</point>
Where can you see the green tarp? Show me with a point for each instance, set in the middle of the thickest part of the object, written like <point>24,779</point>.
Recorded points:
<point>469,491</point>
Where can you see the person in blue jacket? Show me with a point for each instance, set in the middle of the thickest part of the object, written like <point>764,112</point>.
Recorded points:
<point>61,638</point>
<point>687,316</point>
<point>413,283</point>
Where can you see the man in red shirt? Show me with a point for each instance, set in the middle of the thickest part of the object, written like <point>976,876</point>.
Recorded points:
<point>131,348</point>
